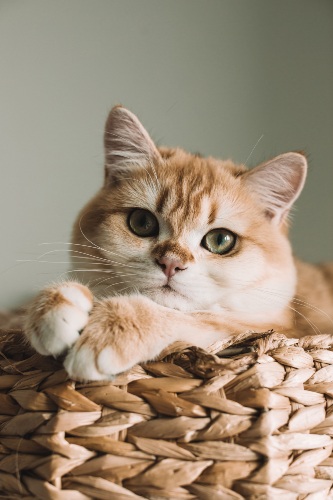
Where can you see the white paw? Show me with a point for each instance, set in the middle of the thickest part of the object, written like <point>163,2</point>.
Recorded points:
<point>110,363</point>
<point>81,363</point>
<point>58,328</point>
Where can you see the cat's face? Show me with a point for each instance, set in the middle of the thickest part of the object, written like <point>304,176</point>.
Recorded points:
<point>191,233</point>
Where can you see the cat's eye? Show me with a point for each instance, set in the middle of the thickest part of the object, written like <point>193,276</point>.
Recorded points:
<point>219,241</point>
<point>143,223</point>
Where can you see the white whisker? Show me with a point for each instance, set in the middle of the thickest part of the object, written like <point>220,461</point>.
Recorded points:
<point>298,301</point>
<point>254,147</point>
<point>312,325</point>
<point>85,246</point>
<point>117,275</point>
<point>118,283</point>
<point>87,255</point>
<point>277,298</point>
<point>98,247</point>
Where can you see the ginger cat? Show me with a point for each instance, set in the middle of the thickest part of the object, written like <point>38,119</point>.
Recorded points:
<point>178,247</point>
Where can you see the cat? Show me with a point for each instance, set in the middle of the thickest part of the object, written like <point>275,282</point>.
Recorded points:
<point>175,246</point>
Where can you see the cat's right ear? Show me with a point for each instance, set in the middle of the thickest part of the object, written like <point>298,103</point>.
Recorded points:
<point>278,183</point>
<point>127,145</point>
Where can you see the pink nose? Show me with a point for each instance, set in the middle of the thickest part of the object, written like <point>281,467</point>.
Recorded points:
<point>170,266</point>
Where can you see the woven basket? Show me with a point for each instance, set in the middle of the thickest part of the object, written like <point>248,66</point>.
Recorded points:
<point>255,423</point>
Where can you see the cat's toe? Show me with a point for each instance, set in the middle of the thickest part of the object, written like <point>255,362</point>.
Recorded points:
<point>57,318</point>
<point>59,330</point>
<point>111,363</point>
<point>78,295</point>
<point>80,364</point>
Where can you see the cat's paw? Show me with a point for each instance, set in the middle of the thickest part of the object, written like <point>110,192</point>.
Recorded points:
<point>57,316</point>
<point>84,363</point>
<point>118,336</point>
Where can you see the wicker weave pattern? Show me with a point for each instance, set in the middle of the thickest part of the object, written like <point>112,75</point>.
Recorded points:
<point>255,424</point>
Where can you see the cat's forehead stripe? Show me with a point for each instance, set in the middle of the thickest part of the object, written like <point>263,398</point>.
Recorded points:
<point>191,203</point>
<point>161,200</point>
<point>185,209</point>
<point>180,203</point>
<point>213,212</point>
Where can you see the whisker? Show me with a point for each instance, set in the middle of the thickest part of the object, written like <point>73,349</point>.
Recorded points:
<point>104,271</point>
<point>72,262</point>
<point>276,297</point>
<point>312,325</point>
<point>298,301</point>
<point>96,246</point>
<point>82,245</point>
<point>88,255</point>
<point>42,261</point>
<point>119,283</point>
<point>101,281</point>
<point>117,275</point>
<point>313,308</point>
<point>126,288</point>
<point>254,147</point>
<point>63,262</point>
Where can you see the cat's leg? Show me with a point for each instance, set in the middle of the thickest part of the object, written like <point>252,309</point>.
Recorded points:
<point>116,333</point>
<point>124,331</point>
<point>56,317</point>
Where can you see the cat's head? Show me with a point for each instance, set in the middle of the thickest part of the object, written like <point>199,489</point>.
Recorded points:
<point>191,233</point>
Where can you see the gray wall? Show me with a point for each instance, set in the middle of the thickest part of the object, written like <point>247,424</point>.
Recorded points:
<point>209,75</point>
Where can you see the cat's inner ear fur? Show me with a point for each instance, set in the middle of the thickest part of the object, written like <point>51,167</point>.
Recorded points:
<point>127,144</point>
<point>278,183</point>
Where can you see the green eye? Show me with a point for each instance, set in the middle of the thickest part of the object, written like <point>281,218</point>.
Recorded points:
<point>143,223</point>
<point>219,241</point>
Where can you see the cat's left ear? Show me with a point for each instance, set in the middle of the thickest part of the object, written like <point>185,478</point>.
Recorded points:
<point>278,183</point>
<point>127,145</point>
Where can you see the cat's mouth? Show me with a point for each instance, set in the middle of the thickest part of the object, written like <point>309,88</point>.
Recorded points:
<point>165,289</point>
<point>167,296</point>
<point>169,289</point>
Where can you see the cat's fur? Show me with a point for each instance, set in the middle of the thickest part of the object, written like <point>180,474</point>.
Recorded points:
<point>155,290</point>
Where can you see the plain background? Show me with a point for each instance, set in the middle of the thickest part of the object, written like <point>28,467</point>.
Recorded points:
<point>209,75</point>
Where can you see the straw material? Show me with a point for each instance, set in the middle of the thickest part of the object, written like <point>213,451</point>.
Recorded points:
<point>254,421</point>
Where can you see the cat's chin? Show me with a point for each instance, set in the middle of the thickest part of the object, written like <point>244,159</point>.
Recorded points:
<point>168,297</point>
